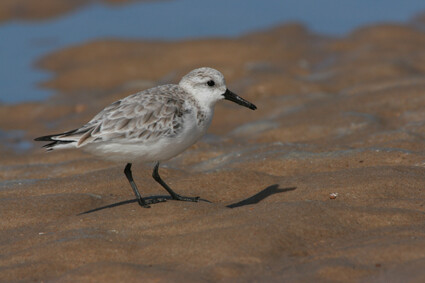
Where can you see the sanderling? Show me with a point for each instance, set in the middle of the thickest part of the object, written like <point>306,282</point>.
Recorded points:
<point>153,125</point>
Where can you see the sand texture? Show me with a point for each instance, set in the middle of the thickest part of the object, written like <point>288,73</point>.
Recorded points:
<point>32,10</point>
<point>323,183</point>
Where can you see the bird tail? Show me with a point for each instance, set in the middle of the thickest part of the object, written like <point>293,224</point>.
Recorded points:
<point>62,140</point>
<point>75,138</point>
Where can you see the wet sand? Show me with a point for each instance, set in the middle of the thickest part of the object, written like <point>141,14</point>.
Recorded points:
<point>324,182</point>
<point>45,9</point>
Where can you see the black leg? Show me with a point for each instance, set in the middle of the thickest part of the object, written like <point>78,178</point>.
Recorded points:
<point>142,202</point>
<point>129,175</point>
<point>174,195</point>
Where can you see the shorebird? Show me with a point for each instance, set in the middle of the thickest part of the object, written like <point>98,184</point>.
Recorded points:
<point>153,125</point>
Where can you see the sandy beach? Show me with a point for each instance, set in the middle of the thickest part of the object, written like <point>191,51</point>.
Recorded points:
<point>46,9</point>
<point>324,182</point>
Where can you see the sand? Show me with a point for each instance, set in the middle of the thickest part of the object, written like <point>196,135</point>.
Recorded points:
<point>323,183</point>
<point>31,10</point>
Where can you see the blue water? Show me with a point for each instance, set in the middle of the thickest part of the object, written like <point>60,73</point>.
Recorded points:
<point>22,43</point>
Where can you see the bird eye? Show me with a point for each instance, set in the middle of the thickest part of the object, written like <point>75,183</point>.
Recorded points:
<point>210,83</point>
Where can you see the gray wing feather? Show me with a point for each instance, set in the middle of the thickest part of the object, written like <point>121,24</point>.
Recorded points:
<point>145,116</point>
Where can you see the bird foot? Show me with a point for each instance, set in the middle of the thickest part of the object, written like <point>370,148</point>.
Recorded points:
<point>183,198</point>
<point>192,199</point>
<point>146,202</point>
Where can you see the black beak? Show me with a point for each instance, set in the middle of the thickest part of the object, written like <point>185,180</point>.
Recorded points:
<point>239,100</point>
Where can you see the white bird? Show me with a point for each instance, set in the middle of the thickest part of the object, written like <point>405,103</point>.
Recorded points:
<point>153,125</point>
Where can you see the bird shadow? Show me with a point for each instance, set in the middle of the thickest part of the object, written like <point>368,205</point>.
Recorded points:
<point>270,190</point>
<point>157,199</point>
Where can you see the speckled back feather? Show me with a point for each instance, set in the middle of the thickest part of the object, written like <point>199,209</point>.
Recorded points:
<point>141,117</point>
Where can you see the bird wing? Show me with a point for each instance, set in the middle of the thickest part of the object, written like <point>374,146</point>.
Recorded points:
<point>143,117</point>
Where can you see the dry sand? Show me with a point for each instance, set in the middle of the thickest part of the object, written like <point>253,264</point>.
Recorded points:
<point>343,116</point>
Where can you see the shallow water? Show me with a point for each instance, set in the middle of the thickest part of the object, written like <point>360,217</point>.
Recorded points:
<point>15,140</point>
<point>23,42</point>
